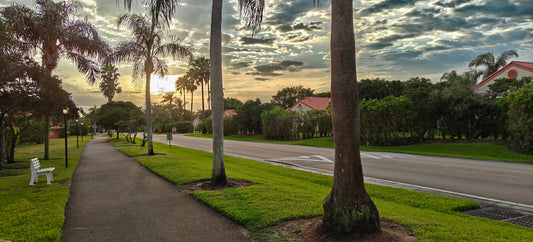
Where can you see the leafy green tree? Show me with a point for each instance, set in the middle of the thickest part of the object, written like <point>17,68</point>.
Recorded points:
<point>501,87</point>
<point>289,96</point>
<point>379,88</point>
<point>145,50</point>
<point>348,208</point>
<point>492,63</point>
<point>248,116</point>
<point>54,30</point>
<point>521,115</point>
<point>111,115</point>
<point>109,82</point>
<point>232,103</point>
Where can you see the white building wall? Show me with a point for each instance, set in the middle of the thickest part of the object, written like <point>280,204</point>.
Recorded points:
<point>521,73</point>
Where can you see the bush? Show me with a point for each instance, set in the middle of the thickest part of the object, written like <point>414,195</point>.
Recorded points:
<point>521,116</point>
<point>181,127</point>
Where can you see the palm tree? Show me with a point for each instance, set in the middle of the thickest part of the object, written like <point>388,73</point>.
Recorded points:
<point>109,82</point>
<point>168,97</point>
<point>201,73</point>
<point>348,208</point>
<point>54,31</point>
<point>252,10</point>
<point>190,85</point>
<point>144,51</point>
<point>181,86</point>
<point>491,63</point>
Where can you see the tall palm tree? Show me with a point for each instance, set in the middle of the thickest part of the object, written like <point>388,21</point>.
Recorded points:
<point>168,97</point>
<point>144,51</point>
<point>181,86</point>
<point>201,72</point>
<point>190,85</point>
<point>109,82</point>
<point>53,30</point>
<point>491,63</point>
<point>348,208</point>
<point>252,10</point>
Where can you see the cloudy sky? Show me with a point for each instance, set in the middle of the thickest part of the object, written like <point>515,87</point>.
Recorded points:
<point>396,40</point>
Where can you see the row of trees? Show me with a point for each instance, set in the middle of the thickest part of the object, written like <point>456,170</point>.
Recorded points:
<point>29,91</point>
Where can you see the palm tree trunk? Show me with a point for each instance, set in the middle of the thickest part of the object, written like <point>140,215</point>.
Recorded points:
<point>203,106</point>
<point>208,95</point>
<point>348,208</point>
<point>218,176</point>
<point>192,98</point>
<point>149,114</point>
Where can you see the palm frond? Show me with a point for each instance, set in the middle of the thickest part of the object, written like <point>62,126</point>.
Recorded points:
<point>486,59</point>
<point>501,61</point>
<point>252,11</point>
<point>160,67</point>
<point>163,10</point>
<point>175,49</point>
<point>87,66</point>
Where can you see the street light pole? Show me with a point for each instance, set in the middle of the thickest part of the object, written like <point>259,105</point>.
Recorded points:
<point>65,113</point>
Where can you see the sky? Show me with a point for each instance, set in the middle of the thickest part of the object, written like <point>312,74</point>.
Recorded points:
<point>395,40</point>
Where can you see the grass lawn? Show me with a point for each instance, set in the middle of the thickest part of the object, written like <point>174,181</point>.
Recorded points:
<point>483,151</point>
<point>280,194</point>
<point>36,213</point>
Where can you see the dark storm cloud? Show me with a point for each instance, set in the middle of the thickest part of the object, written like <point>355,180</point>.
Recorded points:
<point>261,79</point>
<point>450,4</point>
<point>272,68</point>
<point>385,5</point>
<point>240,65</point>
<point>288,11</point>
<point>500,8</point>
<point>251,41</point>
<point>297,37</point>
<point>387,41</point>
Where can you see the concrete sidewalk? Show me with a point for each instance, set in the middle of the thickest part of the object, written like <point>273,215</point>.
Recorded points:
<point>114,198</point>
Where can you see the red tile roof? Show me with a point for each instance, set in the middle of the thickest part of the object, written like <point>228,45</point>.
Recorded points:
<point>520,64</point>
<point>229,113</point>
<point>315,103</point>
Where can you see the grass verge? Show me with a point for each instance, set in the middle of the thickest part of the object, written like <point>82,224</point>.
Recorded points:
<point>36,213</point>
<point>280,194</point>
<point>482,151</point>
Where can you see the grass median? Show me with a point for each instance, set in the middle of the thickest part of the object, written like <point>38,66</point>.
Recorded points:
<point>280,194</point>
<point>36,213</point>
<point>481,150</point>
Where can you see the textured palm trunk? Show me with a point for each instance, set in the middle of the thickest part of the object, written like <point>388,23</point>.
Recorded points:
<point>348,208</point>
<point>192,99</point>
<point>203,106</point>
<point>148,69</point>
<point>218,176</point>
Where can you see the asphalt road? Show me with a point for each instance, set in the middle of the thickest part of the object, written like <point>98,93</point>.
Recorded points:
<point>505,181</point>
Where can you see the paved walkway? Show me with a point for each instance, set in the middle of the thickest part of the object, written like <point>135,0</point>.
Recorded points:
<point>113,198</point>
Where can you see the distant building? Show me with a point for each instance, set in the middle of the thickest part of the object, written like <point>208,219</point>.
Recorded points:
<point>54,132</point>
<point>311,103</point>
<point>229,113</point>
<point>515,69</point>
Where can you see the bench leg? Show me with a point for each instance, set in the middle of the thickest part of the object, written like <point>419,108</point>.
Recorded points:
<point>32,179</point>
<point>49,178</point>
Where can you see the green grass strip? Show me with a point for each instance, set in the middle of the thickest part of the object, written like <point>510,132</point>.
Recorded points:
<point>482,151</point>
<point>280,194</point>
<point>36,213</point>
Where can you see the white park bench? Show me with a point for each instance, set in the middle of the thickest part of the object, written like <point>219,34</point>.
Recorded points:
<point>36,171</point>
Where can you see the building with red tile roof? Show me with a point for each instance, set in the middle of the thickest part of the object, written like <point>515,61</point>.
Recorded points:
<point>515,69</point>
<point>311,103</point>
<point>229,113</point>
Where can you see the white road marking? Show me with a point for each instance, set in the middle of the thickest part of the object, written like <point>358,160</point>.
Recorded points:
<point>315,158</point>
